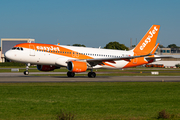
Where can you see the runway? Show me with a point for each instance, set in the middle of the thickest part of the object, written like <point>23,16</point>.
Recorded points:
<point>20,78</point>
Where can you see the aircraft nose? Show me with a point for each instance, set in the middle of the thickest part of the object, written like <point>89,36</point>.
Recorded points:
<point>8,55</point>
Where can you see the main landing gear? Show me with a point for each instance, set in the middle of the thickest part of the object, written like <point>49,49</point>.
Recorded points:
<point>70,74</point>
<point>27,66</point>
<point>90,74</point>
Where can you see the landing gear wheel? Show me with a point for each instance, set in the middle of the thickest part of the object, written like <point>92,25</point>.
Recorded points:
<point>27,67</point>
<point>70,74</point>
<point>92,74</point>
<point>26,72</point>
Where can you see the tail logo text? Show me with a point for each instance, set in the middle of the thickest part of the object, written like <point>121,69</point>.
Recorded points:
<point>148,39</point>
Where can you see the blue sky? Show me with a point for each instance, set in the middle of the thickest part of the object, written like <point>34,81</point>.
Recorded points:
<point>93,23</point>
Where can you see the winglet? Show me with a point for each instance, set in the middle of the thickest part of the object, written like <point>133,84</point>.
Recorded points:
<point>147,43</point>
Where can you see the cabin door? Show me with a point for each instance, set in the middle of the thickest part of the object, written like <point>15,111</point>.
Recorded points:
<point>32,50</point>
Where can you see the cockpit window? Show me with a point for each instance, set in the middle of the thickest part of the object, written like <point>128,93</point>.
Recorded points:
<point>13,48</point>
<point>17,48</point>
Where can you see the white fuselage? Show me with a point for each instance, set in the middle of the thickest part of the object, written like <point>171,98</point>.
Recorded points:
<point>42,57</point>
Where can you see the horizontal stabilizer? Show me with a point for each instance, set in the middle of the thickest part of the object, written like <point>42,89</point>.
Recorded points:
<point>157,57</point>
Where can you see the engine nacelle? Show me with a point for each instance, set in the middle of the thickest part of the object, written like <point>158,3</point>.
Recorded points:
<point>76,66</point>
<point>46,67</point>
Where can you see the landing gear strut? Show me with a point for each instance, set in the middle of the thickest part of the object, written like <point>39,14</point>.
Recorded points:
<point>70,74</point>
<point>27,67</point>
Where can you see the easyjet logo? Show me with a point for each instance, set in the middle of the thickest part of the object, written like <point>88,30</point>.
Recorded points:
<point>148,39</point>
<point>47,48</point>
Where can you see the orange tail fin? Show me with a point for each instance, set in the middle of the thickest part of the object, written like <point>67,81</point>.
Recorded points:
<point>147,43</point>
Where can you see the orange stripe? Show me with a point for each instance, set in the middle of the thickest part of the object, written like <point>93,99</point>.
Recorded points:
<point>54,50</point>
<point>140,61</point>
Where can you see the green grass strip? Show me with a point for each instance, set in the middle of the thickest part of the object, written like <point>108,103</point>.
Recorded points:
<point>89,101</point>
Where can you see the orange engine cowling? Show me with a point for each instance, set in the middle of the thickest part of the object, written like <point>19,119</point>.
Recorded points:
<point>76,66</point>
<point>46,67</point>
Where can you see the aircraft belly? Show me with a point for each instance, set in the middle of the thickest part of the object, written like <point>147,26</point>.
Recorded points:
<point>120,64</point>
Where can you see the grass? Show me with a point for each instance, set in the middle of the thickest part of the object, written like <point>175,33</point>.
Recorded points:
<point>97,101</point>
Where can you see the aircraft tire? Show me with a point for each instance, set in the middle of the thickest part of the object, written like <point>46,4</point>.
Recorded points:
<point>92,74</point>
<point>26,72</point>
<point>70,74</point>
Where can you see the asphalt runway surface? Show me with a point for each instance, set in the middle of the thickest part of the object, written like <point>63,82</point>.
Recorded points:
<point>20,78</point>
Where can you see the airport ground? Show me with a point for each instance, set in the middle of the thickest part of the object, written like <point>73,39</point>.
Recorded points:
<point>43,95</point>
<point>103,75</point>
<point>9,78</point>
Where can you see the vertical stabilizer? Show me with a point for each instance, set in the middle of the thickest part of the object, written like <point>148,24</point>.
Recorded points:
<point>147,43</point>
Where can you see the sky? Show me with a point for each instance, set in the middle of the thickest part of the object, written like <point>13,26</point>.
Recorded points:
<point>93,23</point>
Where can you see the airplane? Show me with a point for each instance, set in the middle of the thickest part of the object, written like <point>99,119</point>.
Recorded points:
<point>48,57</point>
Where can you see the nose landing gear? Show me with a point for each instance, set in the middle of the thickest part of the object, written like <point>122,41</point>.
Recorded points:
<point>26,72</point>
<point>27,66</point>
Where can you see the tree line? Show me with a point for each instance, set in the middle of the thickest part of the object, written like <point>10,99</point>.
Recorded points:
<point>111,45</point>
<point>117,46</point>
<point>170,46</point>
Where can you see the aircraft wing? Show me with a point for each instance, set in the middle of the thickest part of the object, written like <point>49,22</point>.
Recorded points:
<point>97,61</point>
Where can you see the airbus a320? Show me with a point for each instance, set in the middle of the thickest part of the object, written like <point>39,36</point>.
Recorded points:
<point>48,57</point>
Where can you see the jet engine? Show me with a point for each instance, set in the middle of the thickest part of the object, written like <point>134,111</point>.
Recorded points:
<point>46,67</point>
<point>77,66</point>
